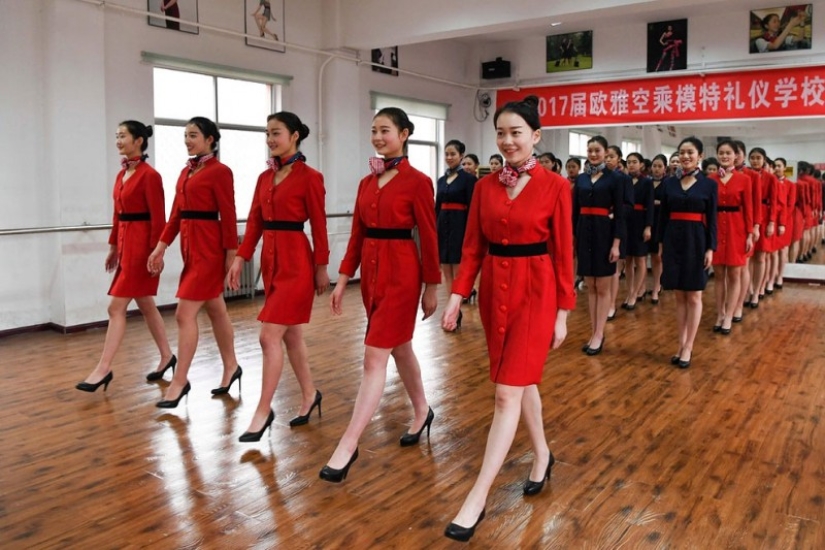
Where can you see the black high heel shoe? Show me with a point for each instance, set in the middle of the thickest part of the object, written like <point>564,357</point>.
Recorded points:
<point>91,388</point>
<point>225,389</point>
<point>463,534</point>
<point>173,403</point>
<point>535,487</point>
<point>337,476</point>
<point>595,351</point>
<point>158,374</point>
<point>409,439</point>
<point>248,437</point>
<point>458,322</point>
<point>304,418</point>
<point>473,296</point>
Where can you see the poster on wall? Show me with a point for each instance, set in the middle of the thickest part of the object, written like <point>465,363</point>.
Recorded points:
<point>186,10</point>
<point>570,52</point>
<point>388,57</point>
<point>667,46</point>
<point>264,24</point>
<point>781,29</point>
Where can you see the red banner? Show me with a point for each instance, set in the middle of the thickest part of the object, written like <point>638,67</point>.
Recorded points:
<point>774,93</point>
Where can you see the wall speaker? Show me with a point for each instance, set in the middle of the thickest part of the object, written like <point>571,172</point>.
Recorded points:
<point>495,69</point>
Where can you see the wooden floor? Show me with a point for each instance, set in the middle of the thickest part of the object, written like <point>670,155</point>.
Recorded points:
<point>727,454</point>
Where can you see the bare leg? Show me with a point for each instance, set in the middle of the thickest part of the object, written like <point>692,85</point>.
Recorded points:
<point>744,285</point>
<point>273,366</point>
<point>592,303</point>
<point>630,281</point>
<point>114,336</point>
<point>603,305</point>
<point>187,318</point>
<point>681,319</point>
<point>154,321</point>
<point>502,432</point>
<point>224,336</point>
<point>531,413</point>
<point>296,350</point>
<point>410,372</point>
<point>656,263</point>
<point>366,403</point>
<point>640,275</point>
<point>733,276</point>
<point>693,307</point>
<point>721,290</point>
<point>614,287</point>
<point>758,275</point>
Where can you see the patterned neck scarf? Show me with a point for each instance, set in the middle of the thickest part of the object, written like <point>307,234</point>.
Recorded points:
<point>276,163</point>
<point>590,170</point>
<point>508,175</point>
<point>195,162</point>
<point>129,164</point>
<point>380,165</point>
<point>682,174</point>
<point>635,174</point>
<point>722,172</point>
<point>450,171</point>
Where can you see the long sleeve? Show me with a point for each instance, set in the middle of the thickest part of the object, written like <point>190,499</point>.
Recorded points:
<point>474,249</point>
<point>648,202</point>
<point>157,205</point>
<point>316,210</point>
<point>424,212</point>
<point>561,249</point>
<point>575,195</point>
<point>664,214</point>
<point>352,257</point>
<point>113,235</point>
<point>756,186</point>
<point>224,190</point>
<point>173,225</point>
<point>710,215</point>
<point>254,225</point>
<point>747,206</point>
<point>618,199</point>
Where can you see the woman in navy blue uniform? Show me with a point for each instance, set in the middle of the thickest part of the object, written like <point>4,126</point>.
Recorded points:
<point>452,201</point>
<point>688,238</point>
<point>658,169</point>
<point>613,159</point>
<point>596,193</point>
<point>639,225</point>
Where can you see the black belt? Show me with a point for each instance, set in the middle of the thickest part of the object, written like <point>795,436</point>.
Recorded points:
<point>727,208</point>
<point>198,215</point>
<point>134,216</point>
<point>280,225</point>
<point>515,250</point>
<point>381,233</point>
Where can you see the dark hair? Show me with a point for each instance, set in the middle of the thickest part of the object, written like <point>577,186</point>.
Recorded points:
<point>782,160</point>
<point>460,147</point>
<point>292,123</point>
<point>527,108</point>
<point>759,151</point>
<point>399,119</point>
<point>693,140</point>
<point>557,164</point>
<point>138,130</point>
<point>616,150</point>
<point>600,140</point>
<point>710,161</point>
<point>729,142</point>
<point>766,20</point>
<point>208,129</point>
<point>578,162</point>
<point>638,156</point>
<point>674,154</point>
<point>661,157</point>
<point>740,147</point>
<point>497,156</point>
<point>473,158</point>
<point>549,156</point>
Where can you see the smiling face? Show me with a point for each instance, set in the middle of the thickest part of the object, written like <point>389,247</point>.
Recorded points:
<point>726,156</point>
<point>196,143</point>
<point>280,142</point>
<point>515,139</point>
<point>757,160</point>
<point>689,157</point>
<point>387,140</point>
<point>452,157</point>
<point>126,144</point>
<point>595,153</point>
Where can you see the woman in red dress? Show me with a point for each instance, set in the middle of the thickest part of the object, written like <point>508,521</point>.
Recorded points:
<point>790,217</point>
<point>758,230</point>
<point>767,215</point>
<point>391,202</point>
<point>139,217</point>
<point>287,194</point>
<point>734,236</point>
<point>520,235</point>
<point>204,215</point>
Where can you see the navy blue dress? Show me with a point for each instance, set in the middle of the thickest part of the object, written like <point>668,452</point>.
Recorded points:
<point>451,220</point>
<point>640,217</point>
<point>684,242</point>
<point>658,193</point>
<point>627,210</point>
<point>595,230</point>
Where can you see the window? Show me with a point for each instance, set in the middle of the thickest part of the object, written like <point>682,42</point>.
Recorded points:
<point>578,144</point>
<point>668,151</point>
<point>631,146</point>
<point>239,107</point>
<point>427,141</point>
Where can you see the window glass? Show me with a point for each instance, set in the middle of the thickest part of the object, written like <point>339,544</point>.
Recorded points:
<point>180,95</point>
<point>242,102</point>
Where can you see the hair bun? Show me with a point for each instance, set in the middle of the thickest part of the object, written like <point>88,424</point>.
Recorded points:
<point>531,101</point>
<point>304,131</point>
<point>149,131</point>
<point>410,126</point>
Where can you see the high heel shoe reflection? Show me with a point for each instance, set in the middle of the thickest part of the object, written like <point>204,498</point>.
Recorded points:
<point>337,476</point>
<point>222,390</point>
<point>304,418</point>
<point>249,437</point>
<point>91,388</point>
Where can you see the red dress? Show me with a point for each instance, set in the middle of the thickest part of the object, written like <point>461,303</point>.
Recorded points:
<point>519,296</point>
<point>798,211</point>
<point>767,212</point>
<point>203,242</point>
<point>734,219</point>
<point>391,269</point>
<point>142,193</point>
<point>287,261</point>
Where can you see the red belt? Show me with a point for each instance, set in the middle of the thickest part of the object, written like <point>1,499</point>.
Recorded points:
<point>453,206</point>
<point>639,207</point>
<point>594,211</point>
<point>687,216</point>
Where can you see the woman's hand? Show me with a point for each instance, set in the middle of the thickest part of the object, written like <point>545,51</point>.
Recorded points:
<point>748,244</point>
<point>111,259</point>
<point>769,230</point>
<point>646,234</point>
<point>708,259</point>
<point>449,318</point>
<point>155,262</point>
<point>560,330</point>
<point>233,275</point>
<point>321,279</point>
<point>230,259</point>
<point>614,254</point>
<point>755,233</point>
<point>429,301</point>
<point>337,299</point>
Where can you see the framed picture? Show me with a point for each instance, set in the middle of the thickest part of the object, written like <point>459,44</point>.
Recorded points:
<point>182,9</point>
<point>388,57</point>
<point>264,24</point>
<point>781,29</point>
<point>667,45</point>
<point>570,52</point>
